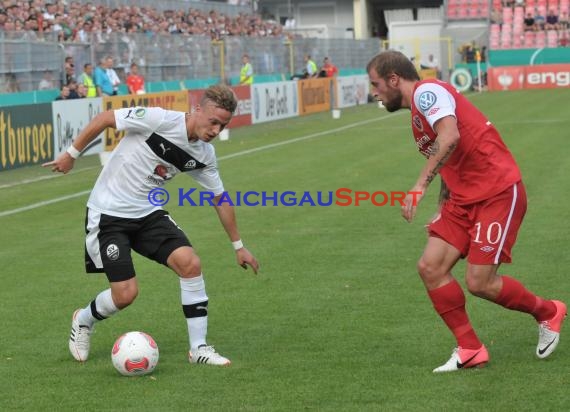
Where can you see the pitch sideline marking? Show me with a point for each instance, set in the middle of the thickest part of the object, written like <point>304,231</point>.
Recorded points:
<point>40,178</point>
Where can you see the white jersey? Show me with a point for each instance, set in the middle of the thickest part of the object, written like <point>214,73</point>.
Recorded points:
<point>154,149</point>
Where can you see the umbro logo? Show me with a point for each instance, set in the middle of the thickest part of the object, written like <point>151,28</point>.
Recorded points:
<point>487,249</point>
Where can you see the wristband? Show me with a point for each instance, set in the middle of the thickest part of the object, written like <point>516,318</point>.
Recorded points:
<point>73,152</point>
<point>238,244</point>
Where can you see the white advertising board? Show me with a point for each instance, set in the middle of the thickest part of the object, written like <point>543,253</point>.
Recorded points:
<point>273,101</point>
<point>69,118</point>
<point>352,90</point>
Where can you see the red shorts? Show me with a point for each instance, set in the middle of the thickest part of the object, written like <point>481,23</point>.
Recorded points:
<point>486,231</point>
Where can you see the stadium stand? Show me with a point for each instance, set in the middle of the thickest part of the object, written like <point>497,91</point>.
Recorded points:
<point>506,18</point>
<point>510,32</point>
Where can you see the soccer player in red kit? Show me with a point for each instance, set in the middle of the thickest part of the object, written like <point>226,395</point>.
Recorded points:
<point>483,203</point>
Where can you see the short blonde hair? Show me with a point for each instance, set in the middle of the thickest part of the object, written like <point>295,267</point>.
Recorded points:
<point>222,96</point>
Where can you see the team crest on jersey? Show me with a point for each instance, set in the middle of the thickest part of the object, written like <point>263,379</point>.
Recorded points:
<point>427,100</point>
<point>418,123</point>
<point>190,164</point>
<point>139,113</point>
<point>113,252</point>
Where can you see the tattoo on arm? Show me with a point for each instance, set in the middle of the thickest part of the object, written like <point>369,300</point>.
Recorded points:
<point>433,173</point>
<point>434,149</point>
<point>443,193</point>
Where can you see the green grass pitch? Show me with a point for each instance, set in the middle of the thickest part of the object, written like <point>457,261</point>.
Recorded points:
<point>337,319</point>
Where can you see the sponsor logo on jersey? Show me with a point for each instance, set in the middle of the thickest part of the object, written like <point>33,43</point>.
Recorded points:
<point>427,100</point>
<point>113,252</point>
<point>162,172</point>
<point>418,123</point>
<point>433,111</point>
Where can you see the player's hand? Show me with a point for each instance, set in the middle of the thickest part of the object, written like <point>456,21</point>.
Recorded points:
<point>64,163</point>
<point>245,258</point>
<point>411,203</point>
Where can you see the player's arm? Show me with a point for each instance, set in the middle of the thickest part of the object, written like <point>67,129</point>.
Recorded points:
<point>443,193</point>
<point>64,162</point>
<point>441,150</point>
<point>227,217</point>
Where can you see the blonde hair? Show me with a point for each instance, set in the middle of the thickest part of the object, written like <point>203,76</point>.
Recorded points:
<point>221,96</point>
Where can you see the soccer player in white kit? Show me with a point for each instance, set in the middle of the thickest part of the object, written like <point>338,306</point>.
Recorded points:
<point>158,144</point>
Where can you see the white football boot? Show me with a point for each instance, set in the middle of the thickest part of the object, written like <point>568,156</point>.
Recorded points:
<point>208,355</point>
<point>79,339</point>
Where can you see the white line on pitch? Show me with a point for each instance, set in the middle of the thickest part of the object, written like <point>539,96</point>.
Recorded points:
<point>45,177</point>
<point>44,203</point>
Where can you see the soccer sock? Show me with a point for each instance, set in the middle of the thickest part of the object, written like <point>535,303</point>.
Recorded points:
<point>195,308</point>
<point>515,296</point>
<point>99,309</point>
<point>449,302</point>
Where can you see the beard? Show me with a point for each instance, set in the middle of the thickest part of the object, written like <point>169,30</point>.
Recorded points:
<point>394,102</point>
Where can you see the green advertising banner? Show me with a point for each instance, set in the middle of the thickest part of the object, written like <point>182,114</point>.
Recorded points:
<point>26,135</point>
<point>529,57</point>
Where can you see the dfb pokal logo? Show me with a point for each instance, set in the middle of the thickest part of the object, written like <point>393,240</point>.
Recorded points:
<point>427,100</point>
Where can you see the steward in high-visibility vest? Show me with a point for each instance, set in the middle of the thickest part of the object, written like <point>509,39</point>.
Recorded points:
<point>87,80</point>
<point>246,72</point>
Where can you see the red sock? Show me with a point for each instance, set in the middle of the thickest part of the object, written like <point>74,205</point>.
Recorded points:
<point>515,296</point>
<point>449,303</point>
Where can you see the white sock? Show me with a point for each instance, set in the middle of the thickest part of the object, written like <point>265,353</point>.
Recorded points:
<point>99,309</point>
<point>195,307</point>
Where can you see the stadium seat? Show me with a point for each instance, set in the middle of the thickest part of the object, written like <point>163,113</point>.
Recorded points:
<point>553,5</point>
<point>552,39</point>
<point>484,10</point>
<point>506,40</point>
<point>540,41</point>
<point>462,13</point>
<point>507,15</point>
<point>529,39</point>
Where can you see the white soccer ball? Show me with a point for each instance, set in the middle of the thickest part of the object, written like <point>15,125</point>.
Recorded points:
<point>135,354</point>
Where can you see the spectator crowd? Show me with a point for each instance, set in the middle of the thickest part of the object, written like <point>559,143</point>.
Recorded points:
<point>76,22</point>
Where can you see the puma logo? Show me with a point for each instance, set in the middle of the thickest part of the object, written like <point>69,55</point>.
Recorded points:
<point>164,149</point>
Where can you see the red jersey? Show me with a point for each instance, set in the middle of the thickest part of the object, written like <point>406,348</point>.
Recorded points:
<point>481,165</point>
<point>135,82</point>
<point>330,69</point>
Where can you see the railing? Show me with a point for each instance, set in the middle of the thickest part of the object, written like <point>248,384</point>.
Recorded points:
<point>173,57</point>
